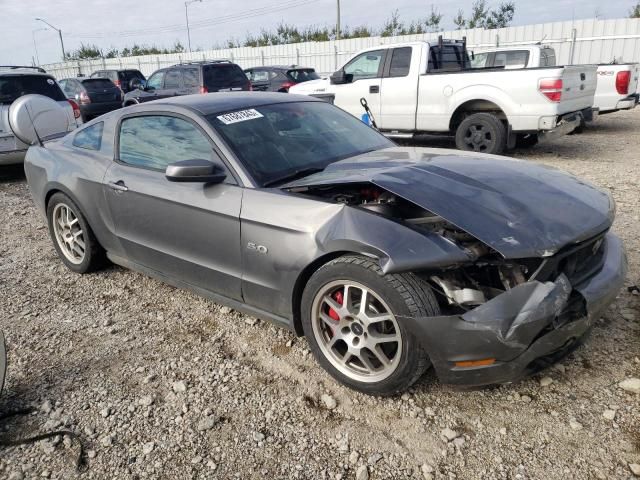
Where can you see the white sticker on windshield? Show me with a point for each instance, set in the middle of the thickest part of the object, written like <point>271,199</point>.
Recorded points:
<point>241,116</point>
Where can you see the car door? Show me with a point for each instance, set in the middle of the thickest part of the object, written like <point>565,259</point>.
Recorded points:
<point>172,83</point>
<point>399,89</point>
<point>189,231</point>
<point>365,74</point>
<point>154,87</point>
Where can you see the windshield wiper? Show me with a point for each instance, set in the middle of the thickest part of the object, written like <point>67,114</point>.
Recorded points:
<point>296,174</point>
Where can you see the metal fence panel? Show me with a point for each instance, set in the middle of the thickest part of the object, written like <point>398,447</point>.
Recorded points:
<point>597,41</point>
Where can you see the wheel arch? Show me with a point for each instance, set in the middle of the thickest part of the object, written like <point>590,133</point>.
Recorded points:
<point>303,279</point>
<point>470,107</point>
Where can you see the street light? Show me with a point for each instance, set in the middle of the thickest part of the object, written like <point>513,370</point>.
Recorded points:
<point>33,34</point>
<point>186,14</point>
<point>64,56</point>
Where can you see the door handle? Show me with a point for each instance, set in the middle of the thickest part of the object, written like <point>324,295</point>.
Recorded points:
<point>374,89</point>
<point>118,186</point>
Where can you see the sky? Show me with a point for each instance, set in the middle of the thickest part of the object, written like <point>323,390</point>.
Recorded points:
<point>109,23</point>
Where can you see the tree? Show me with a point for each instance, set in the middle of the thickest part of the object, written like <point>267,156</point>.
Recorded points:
<point>501,17</point>
<point>635,11</point>
<point>433,20</point>
<point>459,20</point>
<point>483,17</point>
<point>393,26</point>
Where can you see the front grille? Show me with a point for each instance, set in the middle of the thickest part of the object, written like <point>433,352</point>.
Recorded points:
<point>578,262</point>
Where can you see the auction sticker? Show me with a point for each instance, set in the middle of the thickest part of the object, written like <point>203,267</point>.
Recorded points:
<point>240,116</point>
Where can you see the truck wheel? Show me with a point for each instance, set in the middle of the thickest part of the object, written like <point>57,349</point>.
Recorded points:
<point>482,132</point>
<point>524,140</point>
<point>352,316</point>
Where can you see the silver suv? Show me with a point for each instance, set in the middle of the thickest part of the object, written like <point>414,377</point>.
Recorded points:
<point>16,81</point>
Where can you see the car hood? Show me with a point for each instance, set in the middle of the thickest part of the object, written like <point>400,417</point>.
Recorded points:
<point>518,208</point>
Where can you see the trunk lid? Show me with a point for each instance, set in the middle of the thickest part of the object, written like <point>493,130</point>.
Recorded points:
<point>519,209</point>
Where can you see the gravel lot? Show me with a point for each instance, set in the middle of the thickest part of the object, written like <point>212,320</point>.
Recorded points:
<point>163,384</point>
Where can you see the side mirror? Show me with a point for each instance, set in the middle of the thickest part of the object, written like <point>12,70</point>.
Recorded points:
<point>339,78</point>
<point>196,170</point>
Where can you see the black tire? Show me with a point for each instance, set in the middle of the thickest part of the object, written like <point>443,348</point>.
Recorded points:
<point>405,294</point>
<point>94,256</point>
<point>483,133</point>
<point>526,140</point>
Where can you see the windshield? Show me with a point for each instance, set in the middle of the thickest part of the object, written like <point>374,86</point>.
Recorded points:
<point>303,75</point>
<point>13,87</point>
<point>278,140</point>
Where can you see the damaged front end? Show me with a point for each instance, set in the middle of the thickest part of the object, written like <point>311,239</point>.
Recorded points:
<point>501,318</point>
<point>526,327</point>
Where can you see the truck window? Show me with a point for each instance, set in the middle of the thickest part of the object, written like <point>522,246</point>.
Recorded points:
<point>400,62</point>
<point>479,60</point>
<point>448,58</point>
<point>512,59</point>
<point>365,65</point>
<point>547,57</point>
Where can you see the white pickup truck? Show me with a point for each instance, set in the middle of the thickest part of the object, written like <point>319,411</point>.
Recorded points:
<point>617,83</point>
<point>419,87</point>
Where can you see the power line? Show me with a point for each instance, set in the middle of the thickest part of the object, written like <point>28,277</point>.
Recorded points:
<point>199,23</point>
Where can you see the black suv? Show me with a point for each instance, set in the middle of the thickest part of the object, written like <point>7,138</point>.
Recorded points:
<point>122,78</point>
<point>189,78</point>
<point>279,78</point>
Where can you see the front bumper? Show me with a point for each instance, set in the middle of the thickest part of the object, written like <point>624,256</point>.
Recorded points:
<point>525,329</point>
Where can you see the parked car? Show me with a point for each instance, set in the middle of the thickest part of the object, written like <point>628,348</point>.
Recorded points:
<point>419,87</point>
<point>190,78</point>
<point>125,79</point>
<point>617,83</point>
<point>16,82</point>
<point>94,96</point>
<point>388,259</point>
<point>279,78</point>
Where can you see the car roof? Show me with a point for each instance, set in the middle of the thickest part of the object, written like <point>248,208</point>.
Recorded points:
<point>281,67</point>
<point>23,71</point>
<point>227,101</point>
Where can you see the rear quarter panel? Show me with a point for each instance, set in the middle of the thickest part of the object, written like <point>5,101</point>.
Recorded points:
<point>606,96</point>
<point>78,174</point>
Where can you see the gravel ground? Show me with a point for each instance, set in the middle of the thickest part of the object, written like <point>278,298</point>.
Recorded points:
<point>163,384</point>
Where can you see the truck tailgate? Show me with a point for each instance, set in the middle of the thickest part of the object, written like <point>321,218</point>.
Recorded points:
<point>578,87</point>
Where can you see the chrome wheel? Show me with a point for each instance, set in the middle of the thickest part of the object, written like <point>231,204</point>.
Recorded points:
<point>356,331</point>
<point>68,233</point>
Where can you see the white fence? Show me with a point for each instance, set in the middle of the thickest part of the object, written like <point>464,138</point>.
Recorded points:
<point>580,41</point>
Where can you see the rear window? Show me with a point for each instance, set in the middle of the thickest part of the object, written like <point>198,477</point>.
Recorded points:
<point>97,84</point>
<point>127,75</point>
<point>13,87</point>
<point>448,58</point>
<point>220,76</point>
<point>303,75</point>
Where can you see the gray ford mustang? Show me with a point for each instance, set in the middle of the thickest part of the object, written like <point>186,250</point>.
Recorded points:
<point>389,260</point>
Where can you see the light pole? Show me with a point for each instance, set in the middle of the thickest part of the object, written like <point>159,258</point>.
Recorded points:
<point>64,55</point>
<point>186,14</point>
<point>338,23</point>
<point>35,47</point>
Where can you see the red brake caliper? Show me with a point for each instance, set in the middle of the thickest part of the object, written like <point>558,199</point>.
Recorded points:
<point>338,297</point>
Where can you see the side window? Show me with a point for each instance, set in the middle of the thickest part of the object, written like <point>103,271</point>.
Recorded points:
<point>366,65</point>
<point>173,79</point>
<point>479,60</point>
<point>260,76</point>
<point>190,77</point>
<point>512,59</point>
<point>89,138</point>
<point>156,141</point>
<point>155,81</point>
<point>400,62</point>
<point>547,57</point>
